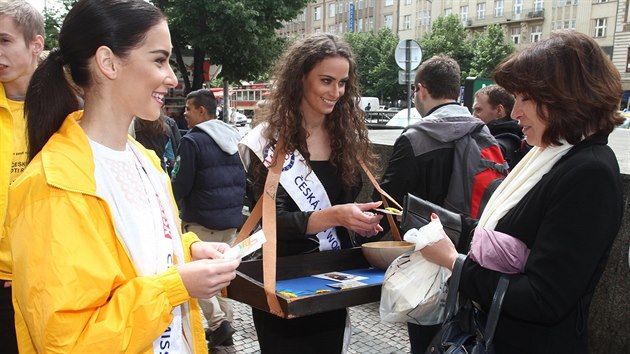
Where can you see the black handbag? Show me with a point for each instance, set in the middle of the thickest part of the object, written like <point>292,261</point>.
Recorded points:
<point>467,330</point>
<point>417,213</point>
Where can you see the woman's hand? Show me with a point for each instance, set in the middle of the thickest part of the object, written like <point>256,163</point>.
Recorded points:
<point>208,250</point>
<point>204,278</point>
<point>358,218</point>
<point>442,252</point>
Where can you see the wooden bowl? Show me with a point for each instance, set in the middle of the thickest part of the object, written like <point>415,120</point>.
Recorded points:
<point>382,253</point>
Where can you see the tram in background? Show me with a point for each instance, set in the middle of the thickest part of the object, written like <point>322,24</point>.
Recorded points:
<point>243,97</point>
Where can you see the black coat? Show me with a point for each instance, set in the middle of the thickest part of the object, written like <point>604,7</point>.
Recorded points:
<point>510,136</point>
<point>569,220</point>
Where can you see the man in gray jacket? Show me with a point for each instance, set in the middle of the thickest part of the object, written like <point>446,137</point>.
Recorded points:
<point>209,186</point>
<point>423,160</point>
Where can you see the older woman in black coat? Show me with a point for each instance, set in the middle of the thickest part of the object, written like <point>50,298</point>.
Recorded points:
<point>563,201</point>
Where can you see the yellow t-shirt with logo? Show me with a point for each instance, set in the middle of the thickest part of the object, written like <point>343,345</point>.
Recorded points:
<point>20,149</point>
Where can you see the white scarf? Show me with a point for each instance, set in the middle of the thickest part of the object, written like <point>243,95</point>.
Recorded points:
<point>521,180</point>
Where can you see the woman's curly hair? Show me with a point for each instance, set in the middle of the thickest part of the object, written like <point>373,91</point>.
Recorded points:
<point>345,124</point>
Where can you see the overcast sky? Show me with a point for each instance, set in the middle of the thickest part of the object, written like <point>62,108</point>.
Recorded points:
<point>39,4</point>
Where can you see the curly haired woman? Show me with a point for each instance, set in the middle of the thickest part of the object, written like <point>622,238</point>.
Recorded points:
<point>313,109</point>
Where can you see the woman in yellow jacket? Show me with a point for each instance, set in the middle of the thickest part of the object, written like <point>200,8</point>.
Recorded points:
<point>99,262</point>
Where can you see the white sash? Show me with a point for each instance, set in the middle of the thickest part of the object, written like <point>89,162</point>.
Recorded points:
<point>296,178</point>
<point>175,338</point>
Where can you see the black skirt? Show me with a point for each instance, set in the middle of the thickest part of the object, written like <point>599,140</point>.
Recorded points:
<point>319,333</point>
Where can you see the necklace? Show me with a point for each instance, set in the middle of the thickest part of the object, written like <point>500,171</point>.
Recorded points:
<point>16,98</point>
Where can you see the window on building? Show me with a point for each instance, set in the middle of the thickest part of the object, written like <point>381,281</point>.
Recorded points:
<point>448,12</point>
<point>389,2</point>
<point>332,10</point>
<point>302,16</point>
<point>536,34</point>
<point>360,4</point>
<point>424,18</point>
<point>516,35</point>
<point>369,24</point>
<point>498,8</point>
<point>601,1</point>
<point>388,21</point>
<point>341,7</point>
<point>463,14</point>
<point>628,61</point>
<point>341,26</point>
<point>371,3</point>
<point>407,2</point>
<point>407,22</point>
<point>318,13</point>
<point>518,7</point>
<point>360,25</point>
<point>318,30</point>
<point>481,11</point>
<point>332,29</point>
<point>600,27</point>
<point>538,5</point>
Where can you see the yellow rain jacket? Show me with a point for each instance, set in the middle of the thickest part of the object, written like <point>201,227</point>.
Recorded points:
<point>75,288</point>
<point>6,157</point>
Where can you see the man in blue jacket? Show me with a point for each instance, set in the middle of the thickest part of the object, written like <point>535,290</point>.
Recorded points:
<point>209,186</point>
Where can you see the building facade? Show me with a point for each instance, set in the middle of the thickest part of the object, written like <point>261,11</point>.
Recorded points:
<point>621,46</point>
<point>524,21</point>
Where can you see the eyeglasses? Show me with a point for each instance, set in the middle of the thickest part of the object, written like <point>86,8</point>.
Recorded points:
<point>414,88</point>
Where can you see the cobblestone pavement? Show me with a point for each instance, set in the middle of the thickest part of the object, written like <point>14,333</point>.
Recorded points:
<point>369,334</point>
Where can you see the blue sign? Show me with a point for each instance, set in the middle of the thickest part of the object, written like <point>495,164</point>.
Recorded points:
<point>351,18</point>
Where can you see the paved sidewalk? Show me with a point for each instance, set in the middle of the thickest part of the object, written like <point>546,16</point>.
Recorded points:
<point>369,334</point>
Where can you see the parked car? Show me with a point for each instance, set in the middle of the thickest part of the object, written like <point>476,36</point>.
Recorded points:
<point>372,101</point>
<point>378,117</point>
<point>625,114</point>
<point>238,119</point>
<point>400,118</point>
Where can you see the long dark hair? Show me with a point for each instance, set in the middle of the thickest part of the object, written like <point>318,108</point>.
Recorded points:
<point>345,124</point>
<point>121,25</point>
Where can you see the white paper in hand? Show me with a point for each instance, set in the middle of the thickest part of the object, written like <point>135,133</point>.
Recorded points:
<point>247,246</point>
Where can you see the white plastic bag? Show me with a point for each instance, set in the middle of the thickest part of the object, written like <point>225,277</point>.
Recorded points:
<point>414,289</point>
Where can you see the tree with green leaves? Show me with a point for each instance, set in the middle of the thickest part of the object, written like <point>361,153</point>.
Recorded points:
<point>448,36</point>
<point>378,72</point>
<point>239,35</point>
<point>53,19</point>
<point>490,48</point>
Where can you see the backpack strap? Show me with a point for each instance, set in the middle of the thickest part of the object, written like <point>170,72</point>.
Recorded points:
<point>488,193</point>
<point>502,168</point>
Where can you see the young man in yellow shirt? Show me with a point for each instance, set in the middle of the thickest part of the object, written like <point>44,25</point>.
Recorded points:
<point>21,43</point>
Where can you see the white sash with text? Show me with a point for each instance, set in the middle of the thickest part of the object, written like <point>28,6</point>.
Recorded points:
<point>296,178</point>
